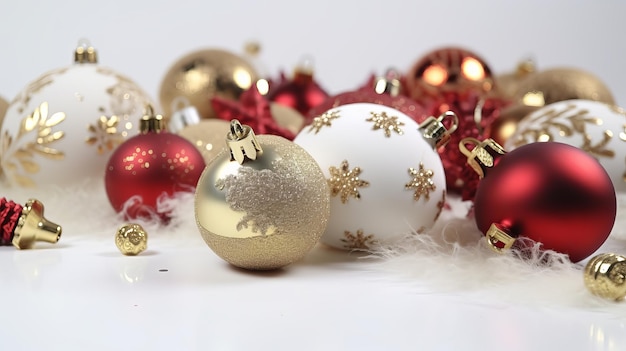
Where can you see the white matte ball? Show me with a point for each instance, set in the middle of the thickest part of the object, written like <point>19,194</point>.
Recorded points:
<point>385,179</point>
<point>64,126</point>
<point>595,127</point>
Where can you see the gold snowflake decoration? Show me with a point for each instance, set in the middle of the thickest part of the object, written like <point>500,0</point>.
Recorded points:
<point>104,134</point>
<point>323,120</point>
<point>422,182</point>
<point>346,181</point>
<point>360,241</point>
<point>387,123</point>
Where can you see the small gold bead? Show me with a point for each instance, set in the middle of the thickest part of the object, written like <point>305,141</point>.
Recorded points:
<point>131,239</point>
<point>605,276</point>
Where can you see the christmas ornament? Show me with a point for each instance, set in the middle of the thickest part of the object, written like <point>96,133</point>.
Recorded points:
<point>263,203</point>
<point>207,135</point>
<point>252,109</point>
<point>595,127</point>
<point>384,174</point>
<point>301,93</point>
<point>507,84</point>
<point>559,84</point>
<point>4,105</point>
<point>22,226</point>
<point>63,127</point>
<point>605,276</point>
<point>448,70</point>
<point>381,91</point>
<point>503,127</point>
<point>551,193</point>
<point>148,166</point>
<point>131,239</point>
<point>202,75</point>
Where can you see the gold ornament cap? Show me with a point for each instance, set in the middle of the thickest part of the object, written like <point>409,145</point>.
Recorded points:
<point>32,226</point>
<point>499,238</point>
<point>242,143</point>
<point>85,53</point>
<point>388,84</point>
<point>151,122</point>
<point>131,239</point>
<point>483,156</point>
<point>605,276</point>
<point>435,132</point>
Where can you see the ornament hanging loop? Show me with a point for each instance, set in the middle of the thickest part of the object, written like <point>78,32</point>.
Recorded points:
<point>151,122</point>
<point>499,239</point>
<point>484,155</point>
<point>32,226</point>
<point>435,132</point>
<point>85,53</point>
<point>242,143</point>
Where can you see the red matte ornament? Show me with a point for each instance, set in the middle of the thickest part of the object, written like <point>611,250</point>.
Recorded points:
<point>552,193</point>
<point>301,93</point>
<point>253,110</point>
<point>150,165</point>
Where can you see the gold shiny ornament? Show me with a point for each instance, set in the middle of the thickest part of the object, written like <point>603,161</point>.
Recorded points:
<point>263,202</point>
<point>207,136</point>
<point>507,84</point>
<point>32,226</point>
<point>559,84</point>
<point>287,117</point>
<point>202,75</point>
<point>605,276</point>
<point>131,239</point>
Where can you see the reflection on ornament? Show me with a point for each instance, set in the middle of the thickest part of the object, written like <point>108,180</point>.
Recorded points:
<point>595,127</point>
<point>448,70</point>
<point>202,75</point>
<point>367,152</point>
<point>62,128</point>
<point>551,193</point>
<point>263,203</point>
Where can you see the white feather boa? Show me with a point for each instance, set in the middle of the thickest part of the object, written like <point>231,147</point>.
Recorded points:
<point>451,258</point>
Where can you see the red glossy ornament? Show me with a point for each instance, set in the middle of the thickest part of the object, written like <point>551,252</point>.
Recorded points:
<point>301,93</point>
<point>552,193</point>
<point>150,165</point>
<point>382,91</point>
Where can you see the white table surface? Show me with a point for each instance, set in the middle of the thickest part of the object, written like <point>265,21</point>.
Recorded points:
<point>84,295</point>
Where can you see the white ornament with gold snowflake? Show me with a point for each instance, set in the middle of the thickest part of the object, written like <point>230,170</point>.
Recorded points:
<point>323,120</point>
<point>367,175</point>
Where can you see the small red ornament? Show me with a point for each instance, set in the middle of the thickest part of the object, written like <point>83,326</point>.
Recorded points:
<point>301,93</point>
<point>382,91</point>
<point>22,226</point>
<point>150,165</point>
<point>552,193</point>
<point>252,109</point>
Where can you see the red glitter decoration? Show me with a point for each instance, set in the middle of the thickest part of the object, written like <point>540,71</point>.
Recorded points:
<point>253,110</point>
<point>10,213</point>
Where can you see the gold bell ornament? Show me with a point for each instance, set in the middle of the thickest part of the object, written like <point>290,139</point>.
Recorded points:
<point>63,127</point>
<point>263,202</point>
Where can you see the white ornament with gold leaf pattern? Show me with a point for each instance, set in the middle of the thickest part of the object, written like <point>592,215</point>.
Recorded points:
<point>63,127</point>
<point>385,178</point>
<point>595,127</point>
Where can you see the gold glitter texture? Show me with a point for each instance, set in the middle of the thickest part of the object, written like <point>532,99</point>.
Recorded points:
<point>346,181</point>
<point>422,182</point>
<point>323,120</point>
<point>358,241</point>
<point>38,127</point>
<point>387,123</point>
<point>269,212</point>
<point>104,134</point>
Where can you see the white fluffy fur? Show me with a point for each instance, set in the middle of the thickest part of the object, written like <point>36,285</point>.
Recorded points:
<point>451,258</point>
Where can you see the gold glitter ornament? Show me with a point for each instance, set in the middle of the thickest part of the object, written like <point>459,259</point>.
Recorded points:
<point>202,75</point>
<point>605,276</point>
<point>263,202</point>
<point>131,239</point>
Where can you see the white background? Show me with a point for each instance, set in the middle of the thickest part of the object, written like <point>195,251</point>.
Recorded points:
<point>83,295</point>
<point>347,39</point>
